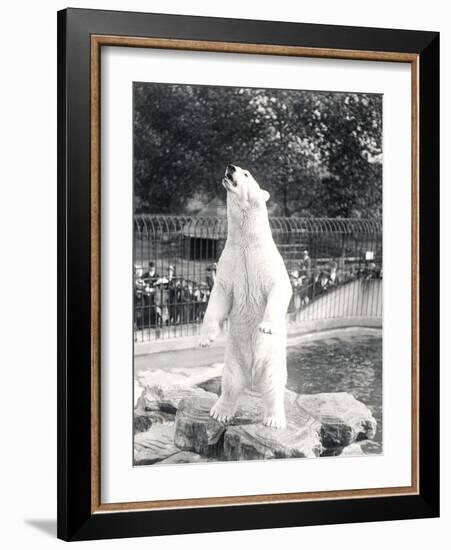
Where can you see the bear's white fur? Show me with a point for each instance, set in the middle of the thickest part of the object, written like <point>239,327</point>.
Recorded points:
<point>253,290</point>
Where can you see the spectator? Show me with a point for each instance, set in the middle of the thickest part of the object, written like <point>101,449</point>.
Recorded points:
<point>161,301</point>
<point>196,301</point>
<point>172,301</point>
<point>333,277</point>
<point>171,273</point>
<point>138,297</point>
<point>296,283</point>
<point>186,296</point>
<point>204,295</point>
<point>139,279</point>
<point>144,300</point>
<point>321,283</point>
<point>151,276</point>
<point>306,266</point>
<point>211,275</point>
<point>371,271</point>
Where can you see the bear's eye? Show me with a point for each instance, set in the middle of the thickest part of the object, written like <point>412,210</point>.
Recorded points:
<point>246,174</point>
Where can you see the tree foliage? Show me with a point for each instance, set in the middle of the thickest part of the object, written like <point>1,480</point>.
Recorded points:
<point>317,153</point>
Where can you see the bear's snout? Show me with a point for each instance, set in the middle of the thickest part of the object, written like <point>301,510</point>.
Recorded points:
<point>230,170</point>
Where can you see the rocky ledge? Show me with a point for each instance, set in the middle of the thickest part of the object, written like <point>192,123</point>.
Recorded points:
<point>173,425</point>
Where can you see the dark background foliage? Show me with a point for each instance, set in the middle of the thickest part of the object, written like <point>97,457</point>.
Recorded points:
<point>317,153</point>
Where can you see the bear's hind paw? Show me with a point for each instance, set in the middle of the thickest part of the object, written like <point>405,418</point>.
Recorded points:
<point>220,415</point>
<point>277,421</point>
<point>221,418</point>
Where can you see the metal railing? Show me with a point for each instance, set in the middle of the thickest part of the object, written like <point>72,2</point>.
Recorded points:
<point>335,268</point>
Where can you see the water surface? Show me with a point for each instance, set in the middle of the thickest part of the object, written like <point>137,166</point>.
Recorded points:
<point>350,362</point>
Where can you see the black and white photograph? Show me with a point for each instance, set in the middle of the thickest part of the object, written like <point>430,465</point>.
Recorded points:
<point>257,274</point>
<point>224,291</point>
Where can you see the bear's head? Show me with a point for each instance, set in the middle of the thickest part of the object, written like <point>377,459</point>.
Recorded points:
<point>243,191</point>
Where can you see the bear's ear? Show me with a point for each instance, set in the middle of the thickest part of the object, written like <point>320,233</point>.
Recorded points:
<point>265,195</point>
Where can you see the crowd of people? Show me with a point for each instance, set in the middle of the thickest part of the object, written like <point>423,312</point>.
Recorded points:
<point>162,300</point>
<point>308,282</point>
<point>169,299</point>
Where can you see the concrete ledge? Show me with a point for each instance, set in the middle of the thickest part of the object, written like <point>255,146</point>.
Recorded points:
<point>294,330</point>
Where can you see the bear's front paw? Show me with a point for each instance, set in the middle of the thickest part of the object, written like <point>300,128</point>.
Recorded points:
<point>221,412</point>
<point>267,328</point>
<point>277,421</point>
<point>207,336</point>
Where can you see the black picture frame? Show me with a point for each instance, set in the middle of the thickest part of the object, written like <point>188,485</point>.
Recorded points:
<point>76,518</point>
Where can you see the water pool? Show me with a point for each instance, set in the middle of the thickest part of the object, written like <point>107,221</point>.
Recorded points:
<point>349,361</point>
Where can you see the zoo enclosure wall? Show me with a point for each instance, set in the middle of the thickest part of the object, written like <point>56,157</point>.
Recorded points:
<point>335,268</point>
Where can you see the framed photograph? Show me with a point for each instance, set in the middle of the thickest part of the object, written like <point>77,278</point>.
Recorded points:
<point>248,274</point>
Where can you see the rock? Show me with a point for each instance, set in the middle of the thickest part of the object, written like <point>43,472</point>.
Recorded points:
<point>250,409</point>
<point>371,447</point>
<point>352,450</point>
<point>247,438</point>
<point>317,425</point>
<point>178,373</point>
<point>184,457</point>
<point>166,398</point>
<point>160,417</point>
<point>255,441</point>
<point>331,451</point>
<point>137,390</point>
<point>213,385</point>
<point>362,448</point>
<point>195,429</point>
<point>154,445</point>
<point>141,424</point>
<point>343,419</point>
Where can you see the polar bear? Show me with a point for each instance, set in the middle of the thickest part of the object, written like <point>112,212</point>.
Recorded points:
<point>252,290</point>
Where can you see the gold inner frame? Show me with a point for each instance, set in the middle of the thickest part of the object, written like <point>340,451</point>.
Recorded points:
<point>97,41</point>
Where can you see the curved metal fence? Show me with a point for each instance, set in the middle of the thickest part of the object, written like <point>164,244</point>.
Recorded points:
<point>335,268</point>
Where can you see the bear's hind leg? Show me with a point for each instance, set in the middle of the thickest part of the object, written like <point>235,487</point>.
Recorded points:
<point>233,386</point>
<point>274,410</point>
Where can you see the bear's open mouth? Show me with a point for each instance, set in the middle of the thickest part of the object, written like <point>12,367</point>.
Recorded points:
<point>228,182</point>
<point>225,183</point>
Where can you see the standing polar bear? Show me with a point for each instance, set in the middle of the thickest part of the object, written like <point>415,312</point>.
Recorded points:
<point>253,290</point>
